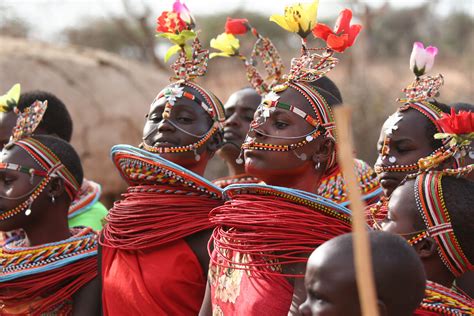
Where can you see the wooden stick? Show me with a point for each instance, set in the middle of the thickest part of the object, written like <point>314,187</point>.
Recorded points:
<point>362,255</point>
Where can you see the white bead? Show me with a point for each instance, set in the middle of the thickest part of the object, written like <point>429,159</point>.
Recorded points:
<point>28,212</point>
<point>392,159</point>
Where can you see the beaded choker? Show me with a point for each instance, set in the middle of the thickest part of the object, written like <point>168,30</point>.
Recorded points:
<point>164,203</point>
<point>444,301</point>
<point>240,178</point>
<point>86,197</point>
<point>269,227</point>
<point>139,167</point>
<point>431,205</point>
<point>43,279</point>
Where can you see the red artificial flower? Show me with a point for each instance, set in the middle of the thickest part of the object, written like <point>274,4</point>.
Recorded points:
<point>343,35</point>
<point>236,26</point>
<point>170,22</point>
<point>457,123</point>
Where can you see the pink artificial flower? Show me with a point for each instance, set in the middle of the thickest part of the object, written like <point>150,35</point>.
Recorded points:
<point>183,11</point>
<point>422,59</point>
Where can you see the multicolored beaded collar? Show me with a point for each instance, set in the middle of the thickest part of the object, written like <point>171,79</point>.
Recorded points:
<point>444,301</point>
<point>17,261</point>
<point>333,186</point>
<point>430,203</point>
<point>138,166</point>
<point>87,196</point>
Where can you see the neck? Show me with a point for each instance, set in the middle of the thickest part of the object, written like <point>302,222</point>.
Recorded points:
<point>234,168</point>
<point>305,181</point>
<point>44,230</point>
<point>439,273</point>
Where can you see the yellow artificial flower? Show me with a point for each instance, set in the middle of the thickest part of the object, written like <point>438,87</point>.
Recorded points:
<point>227,43</point>
<point>9,100</point>
<point>299,18</point>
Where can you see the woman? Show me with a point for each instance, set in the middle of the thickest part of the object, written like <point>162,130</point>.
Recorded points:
<point>265,233</point>
<point>434,213</point>
<point>154,245</point>
<point>53,268</point>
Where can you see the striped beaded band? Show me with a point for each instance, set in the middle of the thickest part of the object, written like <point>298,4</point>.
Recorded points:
<point>431,205</point>
<point>50,163</point>
<point>209,102</point>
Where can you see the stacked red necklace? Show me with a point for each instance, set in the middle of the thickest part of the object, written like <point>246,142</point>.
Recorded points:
<point>164,203</point>
<point>273,226</point>
<point>440,300</point>
<point>430,203</point>
<point>46,276</point>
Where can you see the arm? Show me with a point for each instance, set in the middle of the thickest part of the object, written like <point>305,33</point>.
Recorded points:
<point>206,307</point>
<point>87,299</point>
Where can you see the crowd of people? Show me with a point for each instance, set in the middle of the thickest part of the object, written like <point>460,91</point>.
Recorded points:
<point>272,238</point>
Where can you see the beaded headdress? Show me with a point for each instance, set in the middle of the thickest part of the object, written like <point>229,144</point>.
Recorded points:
<point>50,164</point>
<point>418,96</point>
<point>177,26</point>
<point>309,67</point>
<point>430,203</point>
<point>9,100</point>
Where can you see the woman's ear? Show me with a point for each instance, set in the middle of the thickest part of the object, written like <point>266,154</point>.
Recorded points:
<point>56,187</point>
<point>323,151</point>
<point>426,248</point>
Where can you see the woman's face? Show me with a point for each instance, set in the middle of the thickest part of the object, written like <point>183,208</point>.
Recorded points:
<point>16,187</point>
<point>403,217</point>
<point>282,123</point>
<point>186,117</point>
<point>407,143</point>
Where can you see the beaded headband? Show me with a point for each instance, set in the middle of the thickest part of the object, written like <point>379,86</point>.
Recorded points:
<point>430,203</point>
<point>177,26</point>
<point>50,163</point>
<point>9,101</point>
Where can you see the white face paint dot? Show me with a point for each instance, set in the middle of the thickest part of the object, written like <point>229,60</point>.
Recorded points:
<point>309,138</point>
<point>392,159</point>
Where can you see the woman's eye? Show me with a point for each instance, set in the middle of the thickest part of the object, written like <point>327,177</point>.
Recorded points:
<point>280,125</point>
<point>184,119</point>
<point>8,181</point>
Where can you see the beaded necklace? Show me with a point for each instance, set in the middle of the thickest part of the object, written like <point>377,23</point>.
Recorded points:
<point>164,202</point>
<point>86,197</point>
<point>45,277</point>
<point>445,301</point>
<point>272,226</point>
<point>239,178</point>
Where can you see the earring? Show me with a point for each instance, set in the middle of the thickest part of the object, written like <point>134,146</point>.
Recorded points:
<point>239,159</point>
<point>318,165</point>
<point>53,199</point>
<point>197,157</point>
<point>392,159</point>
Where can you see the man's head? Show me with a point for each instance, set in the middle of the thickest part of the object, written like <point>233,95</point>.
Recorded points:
<point>331,285</point>
<point>239,111</point>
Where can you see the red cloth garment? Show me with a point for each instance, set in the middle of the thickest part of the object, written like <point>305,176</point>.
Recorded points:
<point>164,280</point>
<point>238,292</point>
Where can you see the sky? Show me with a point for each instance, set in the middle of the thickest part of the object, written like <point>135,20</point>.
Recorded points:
<point>49,17</point>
